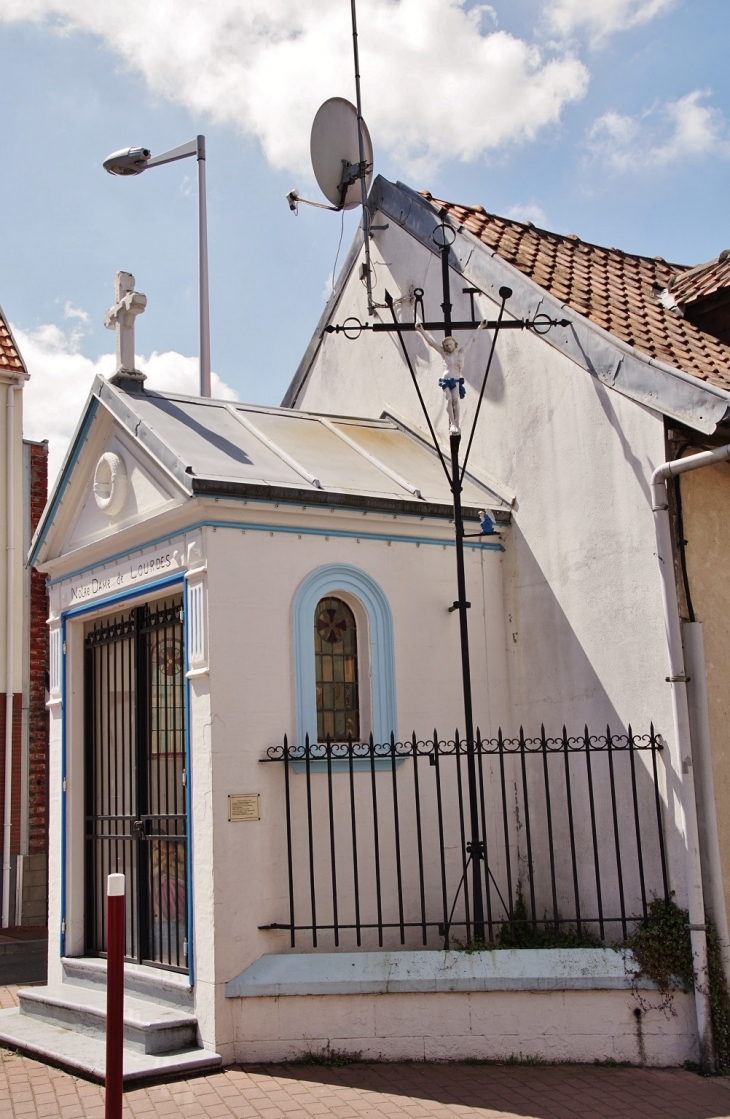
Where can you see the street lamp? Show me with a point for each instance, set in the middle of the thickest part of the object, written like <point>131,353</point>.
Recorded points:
<point>133,161</point>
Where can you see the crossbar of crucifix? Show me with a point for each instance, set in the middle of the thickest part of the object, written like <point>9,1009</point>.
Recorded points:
<point>490,324</point>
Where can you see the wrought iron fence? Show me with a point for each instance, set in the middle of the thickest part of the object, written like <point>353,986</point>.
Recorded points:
<point>571,845</point>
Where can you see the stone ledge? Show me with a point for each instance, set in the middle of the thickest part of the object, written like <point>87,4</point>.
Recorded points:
<point>365,973</point>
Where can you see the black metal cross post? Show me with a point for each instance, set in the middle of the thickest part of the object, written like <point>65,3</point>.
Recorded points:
<point>444,236</point>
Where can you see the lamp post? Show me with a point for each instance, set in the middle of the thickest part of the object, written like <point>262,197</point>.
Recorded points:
<point>133,161</point>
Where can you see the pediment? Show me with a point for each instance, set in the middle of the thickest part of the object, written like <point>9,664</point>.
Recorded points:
<point>115,484</point>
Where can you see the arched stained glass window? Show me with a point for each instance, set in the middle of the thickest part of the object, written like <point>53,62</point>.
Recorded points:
<point>335,659</point>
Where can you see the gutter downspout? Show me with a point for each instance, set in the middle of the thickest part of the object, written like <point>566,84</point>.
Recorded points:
<point>9,645</point>
<point>678,680</point>
<point>699,721</point>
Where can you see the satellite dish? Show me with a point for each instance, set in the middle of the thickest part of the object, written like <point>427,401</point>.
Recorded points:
<point>335,150</point>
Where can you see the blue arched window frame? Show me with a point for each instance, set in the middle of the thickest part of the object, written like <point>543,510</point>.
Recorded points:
<point>352,581</point>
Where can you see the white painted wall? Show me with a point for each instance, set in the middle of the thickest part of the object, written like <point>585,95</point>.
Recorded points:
<point>554,1026</point>
<point>252,581</point>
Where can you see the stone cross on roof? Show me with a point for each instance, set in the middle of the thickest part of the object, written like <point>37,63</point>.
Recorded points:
<point>128,304</point>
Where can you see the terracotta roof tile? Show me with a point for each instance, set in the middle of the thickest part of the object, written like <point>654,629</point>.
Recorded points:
<point>9,357</point>
<point>705,279</point>
<point>617,290</point>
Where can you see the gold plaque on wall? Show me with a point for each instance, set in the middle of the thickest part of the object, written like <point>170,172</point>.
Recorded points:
<point>244,806</point>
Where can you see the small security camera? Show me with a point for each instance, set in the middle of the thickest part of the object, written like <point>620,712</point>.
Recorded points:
<point>293,200</point>
<point>128,161</point>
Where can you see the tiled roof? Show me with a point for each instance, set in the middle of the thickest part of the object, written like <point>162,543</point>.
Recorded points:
<point>616,290</point>
<point>702,281</point>
<point>10,359</point>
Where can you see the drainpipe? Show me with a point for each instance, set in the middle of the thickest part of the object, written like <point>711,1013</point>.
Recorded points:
<point>699,720</point>
<point>9,644</point>
<point>678,680</point>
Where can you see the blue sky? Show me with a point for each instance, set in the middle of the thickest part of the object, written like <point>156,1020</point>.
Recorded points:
<point>605,118</point>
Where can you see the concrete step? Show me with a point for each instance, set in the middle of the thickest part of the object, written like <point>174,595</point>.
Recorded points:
<point>169,988</point>
<point>148,1027</point>
<point>86,1054</point>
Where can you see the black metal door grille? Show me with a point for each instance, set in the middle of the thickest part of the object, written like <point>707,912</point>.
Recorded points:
<point>135,781</point>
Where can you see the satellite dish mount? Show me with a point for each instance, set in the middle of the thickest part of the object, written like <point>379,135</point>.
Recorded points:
<point>342,157</point>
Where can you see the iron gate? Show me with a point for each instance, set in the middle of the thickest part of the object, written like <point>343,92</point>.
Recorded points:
<point>136,819</point>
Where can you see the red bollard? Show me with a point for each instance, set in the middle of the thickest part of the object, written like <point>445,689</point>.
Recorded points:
<point>114,996</point>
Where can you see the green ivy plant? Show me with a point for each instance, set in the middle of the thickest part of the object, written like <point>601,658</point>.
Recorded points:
<point>662,947</point>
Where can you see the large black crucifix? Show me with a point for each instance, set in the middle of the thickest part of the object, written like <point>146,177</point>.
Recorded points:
<point>452,383</point>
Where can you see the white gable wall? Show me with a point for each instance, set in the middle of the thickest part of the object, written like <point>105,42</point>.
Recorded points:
<point>582,608</point>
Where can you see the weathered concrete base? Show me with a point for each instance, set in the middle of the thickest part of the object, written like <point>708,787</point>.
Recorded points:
<point>557,1004</point>
<point>415,972</point>
<point>34,900</point>
<point>23,961</point>
<point>557,1026</point>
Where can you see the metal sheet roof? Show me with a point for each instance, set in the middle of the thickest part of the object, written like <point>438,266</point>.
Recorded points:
<point>222,449</point>
<point>278,447</point>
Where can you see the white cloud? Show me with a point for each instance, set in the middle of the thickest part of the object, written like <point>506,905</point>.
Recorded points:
<point>71,312</point>
<point>439,82</point>
<point>528,211</point>
<point>61,377</point>
<point>601,18</point>
<point>667,133</point>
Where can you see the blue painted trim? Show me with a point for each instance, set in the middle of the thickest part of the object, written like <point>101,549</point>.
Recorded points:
<point>62,931</point>
<point>256,527</point>
<point>188,794</point>
<point>133,592</point>
<point>67,471</point>
<point>75,612</point>
<point>326,580</point>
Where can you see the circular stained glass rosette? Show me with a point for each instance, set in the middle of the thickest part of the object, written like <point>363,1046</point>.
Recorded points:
<point>167,658</point>
<point>331,626</point>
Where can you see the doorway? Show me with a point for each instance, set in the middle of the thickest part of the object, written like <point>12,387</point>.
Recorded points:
<point>135,781</point>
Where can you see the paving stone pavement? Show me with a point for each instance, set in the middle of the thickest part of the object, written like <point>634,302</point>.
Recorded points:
<point>363,1091</point>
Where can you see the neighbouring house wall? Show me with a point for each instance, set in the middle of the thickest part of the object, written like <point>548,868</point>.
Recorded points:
<point>19,783</point>
<point>705,503</point>
<point>34,878</point>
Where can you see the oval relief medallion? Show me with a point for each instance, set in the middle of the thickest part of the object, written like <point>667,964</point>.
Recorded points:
<point>110,483</point>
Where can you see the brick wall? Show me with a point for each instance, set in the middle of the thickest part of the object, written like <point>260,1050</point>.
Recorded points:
<point>37,714</point>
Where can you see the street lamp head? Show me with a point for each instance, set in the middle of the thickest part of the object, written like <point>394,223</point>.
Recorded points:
<point>128,161</point>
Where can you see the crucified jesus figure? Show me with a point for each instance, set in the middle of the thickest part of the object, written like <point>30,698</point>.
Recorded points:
<point>452,381</point>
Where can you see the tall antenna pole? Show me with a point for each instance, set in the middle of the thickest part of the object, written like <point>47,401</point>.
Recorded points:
<point>363,188</point>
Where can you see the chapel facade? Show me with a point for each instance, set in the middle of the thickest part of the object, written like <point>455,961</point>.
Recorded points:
<point>255,687</point>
